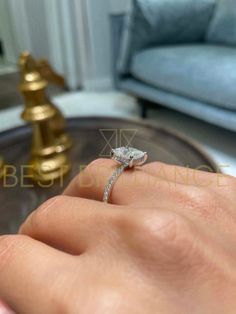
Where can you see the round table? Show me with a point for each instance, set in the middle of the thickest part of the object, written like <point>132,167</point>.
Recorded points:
<point>93,137</point>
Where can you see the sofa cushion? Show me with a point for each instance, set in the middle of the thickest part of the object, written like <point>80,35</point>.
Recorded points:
<point>202,72</point>
<point>157,22</point>
<point>216,115</point>
<point>222,28</point>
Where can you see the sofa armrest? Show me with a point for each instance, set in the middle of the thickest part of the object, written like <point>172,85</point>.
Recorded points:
<point>163,22</point>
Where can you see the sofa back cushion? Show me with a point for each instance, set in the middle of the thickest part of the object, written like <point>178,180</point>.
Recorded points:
<point>222,28</point>
<point>163,22</point>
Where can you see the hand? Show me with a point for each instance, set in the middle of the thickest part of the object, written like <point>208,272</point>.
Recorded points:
<point>165,245</point>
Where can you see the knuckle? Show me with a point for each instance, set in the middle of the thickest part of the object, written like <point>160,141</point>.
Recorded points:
<point>60,304</point>
<point>164,228</point>
<point>165,235</point>
<point>204,202</point>
<point>8,245</point>
<point>41,215</point>
<point>50,204</point>
<point>192,197</point>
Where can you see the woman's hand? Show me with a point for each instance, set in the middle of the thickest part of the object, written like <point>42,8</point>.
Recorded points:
<point>166,244</point>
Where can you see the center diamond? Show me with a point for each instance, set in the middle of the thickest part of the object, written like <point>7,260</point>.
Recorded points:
<point>128,155</point>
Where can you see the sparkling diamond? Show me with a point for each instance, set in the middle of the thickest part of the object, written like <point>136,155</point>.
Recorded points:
<point>130,156</point>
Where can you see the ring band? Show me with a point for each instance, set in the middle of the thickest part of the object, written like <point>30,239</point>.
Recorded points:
<point>126,157</point>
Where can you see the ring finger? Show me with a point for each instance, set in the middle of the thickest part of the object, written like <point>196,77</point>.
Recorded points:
<point>134,185</point>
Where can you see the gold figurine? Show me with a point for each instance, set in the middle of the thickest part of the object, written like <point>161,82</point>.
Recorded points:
<point>50,142</point>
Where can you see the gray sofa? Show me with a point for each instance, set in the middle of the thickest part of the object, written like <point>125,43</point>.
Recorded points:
<point>180,54</point>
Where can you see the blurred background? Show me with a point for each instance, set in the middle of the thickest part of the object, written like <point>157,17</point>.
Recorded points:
<point>72,35</point>
<point>118,58</point>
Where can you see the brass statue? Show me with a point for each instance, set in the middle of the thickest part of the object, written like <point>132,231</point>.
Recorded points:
<point>50,141</point>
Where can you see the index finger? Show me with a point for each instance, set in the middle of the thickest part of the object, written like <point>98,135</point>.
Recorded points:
<point>28,271</point>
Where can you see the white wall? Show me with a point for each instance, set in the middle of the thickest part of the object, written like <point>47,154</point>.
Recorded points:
<point>28,18</point>
<point>47,29</point>
<point>73,34</point>
<point>35,11</point>
<point>99,24</point>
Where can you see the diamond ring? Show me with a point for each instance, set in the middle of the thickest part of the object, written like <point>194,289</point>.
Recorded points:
<point>126,157</point>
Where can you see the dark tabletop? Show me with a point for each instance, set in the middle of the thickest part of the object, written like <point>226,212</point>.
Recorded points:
<point>93,138</point>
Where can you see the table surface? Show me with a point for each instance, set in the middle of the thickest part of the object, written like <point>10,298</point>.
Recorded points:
<point>93,138</point>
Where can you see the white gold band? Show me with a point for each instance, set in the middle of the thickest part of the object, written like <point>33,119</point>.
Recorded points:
<point>111,182</point>
<point>127,157</point>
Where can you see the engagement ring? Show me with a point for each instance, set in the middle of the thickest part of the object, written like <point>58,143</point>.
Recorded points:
<point>126,157</point>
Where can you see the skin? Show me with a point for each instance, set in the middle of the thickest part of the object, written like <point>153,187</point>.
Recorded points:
<point>166,244</point>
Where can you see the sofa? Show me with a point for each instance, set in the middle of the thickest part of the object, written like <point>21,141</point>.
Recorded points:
<point>179,54</point>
